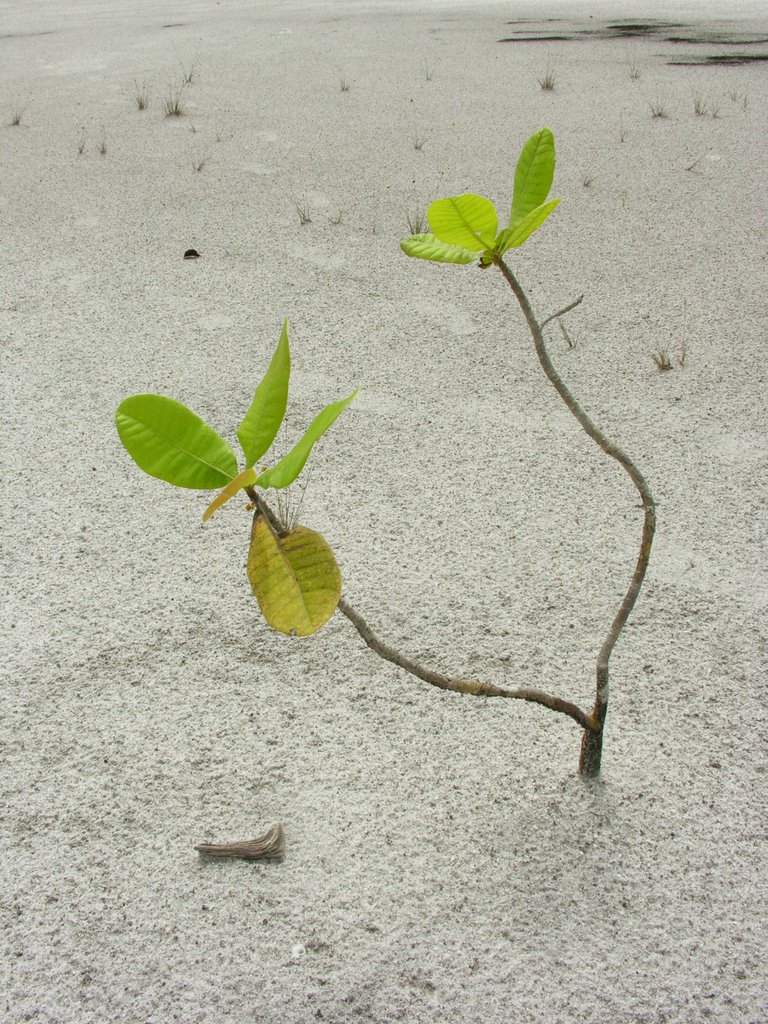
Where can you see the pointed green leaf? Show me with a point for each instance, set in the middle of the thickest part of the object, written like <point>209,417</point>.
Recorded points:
<point>169,441</point>
<point>289,467</point>
<point>248,476</point>
<point>533,175</point>
<point>260,424</point>
<point>295,577</point>
<point>467,220</point>
<point>514,236</point>
<point>427,247</point>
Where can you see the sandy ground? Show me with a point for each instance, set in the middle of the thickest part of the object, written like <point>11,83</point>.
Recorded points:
<point>444,862</point>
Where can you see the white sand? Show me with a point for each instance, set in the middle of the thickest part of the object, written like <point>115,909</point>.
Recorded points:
<point>445,863</point>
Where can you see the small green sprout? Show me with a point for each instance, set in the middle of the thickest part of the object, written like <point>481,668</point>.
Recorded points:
<point>466,227</point>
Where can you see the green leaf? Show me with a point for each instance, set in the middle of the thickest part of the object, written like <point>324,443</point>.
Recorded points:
<point>513,236</point>
<point>262,421</point>
<point>467,220</point>
<point>533,175</point>
<point>289,467</point>
<point>244,479</point>
<point>295,577</point>
<point>169,441</point>
<point>427,247</point>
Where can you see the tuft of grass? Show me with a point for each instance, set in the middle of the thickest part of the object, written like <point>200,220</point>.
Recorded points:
<point>140,95</point>
<point>338,218</point>
<point>547,81</point>
<point>17,113</point>
<point>188,71</point>
<point>658,108</point>
<point>345,84</point>
<point>699,105</point>
<point>660,356</point>
<point>681,356</point>
<point>417,221</point>
<point>418,140</point>
<point>174,101</point>
<point>102,145</point>
<point>714,110</point>
<point>428,72</point>
<point>634,72</point>
<point>303,211</point>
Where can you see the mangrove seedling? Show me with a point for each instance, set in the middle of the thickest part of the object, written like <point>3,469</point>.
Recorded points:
<point>465,229</point>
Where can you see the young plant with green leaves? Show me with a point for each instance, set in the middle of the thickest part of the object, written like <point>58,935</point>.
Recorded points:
<point>465,229</point>
<point>292,570</point>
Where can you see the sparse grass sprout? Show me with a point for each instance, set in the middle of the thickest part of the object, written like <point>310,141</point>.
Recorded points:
<point>660,356</point>
<point>547,81</point>
<point>658,108</point>
<point>140,95</point>
<point>303,211</point>
<point>17,113</point>
<point>174,101</point>
<point>417,220</point>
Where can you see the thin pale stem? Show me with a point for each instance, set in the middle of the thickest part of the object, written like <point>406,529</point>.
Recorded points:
<point>471,686</point>
<point>592,739</point>
<point>561,312</point>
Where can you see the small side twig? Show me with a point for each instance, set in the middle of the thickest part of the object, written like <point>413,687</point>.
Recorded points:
<point>270,846</point>
<point>562,312</point>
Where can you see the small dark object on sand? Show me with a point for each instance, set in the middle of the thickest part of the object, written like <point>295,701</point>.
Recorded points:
<point>191,254</point>
<point>270,846</point>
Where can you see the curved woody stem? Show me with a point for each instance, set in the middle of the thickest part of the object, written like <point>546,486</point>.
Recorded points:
<point>592,737</point>
<point>593,723</point>
<point>474,687</point>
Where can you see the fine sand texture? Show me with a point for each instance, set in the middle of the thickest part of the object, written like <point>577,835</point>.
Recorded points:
<point>444,861</point>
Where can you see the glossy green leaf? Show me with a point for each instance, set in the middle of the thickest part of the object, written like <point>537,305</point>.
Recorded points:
<point>295,578</point>
<point>467,220</point>
<point>169,441</point>
<point>427,247</point>
<point>244,479</point>
<point>289,467</point>
<point>533,175</point>
<point>514,236</point>
<point>262,421</point>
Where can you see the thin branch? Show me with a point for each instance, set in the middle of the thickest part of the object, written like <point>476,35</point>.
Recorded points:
<point>474,687</point>
<point>470,686</point>
<point>592,739</point>
<point>561,312</point>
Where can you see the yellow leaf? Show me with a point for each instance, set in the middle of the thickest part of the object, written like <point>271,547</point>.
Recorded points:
<point>244,479</point>
<point>295,578</point>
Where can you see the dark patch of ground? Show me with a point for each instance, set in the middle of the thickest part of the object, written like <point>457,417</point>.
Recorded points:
<point>656,30</point>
